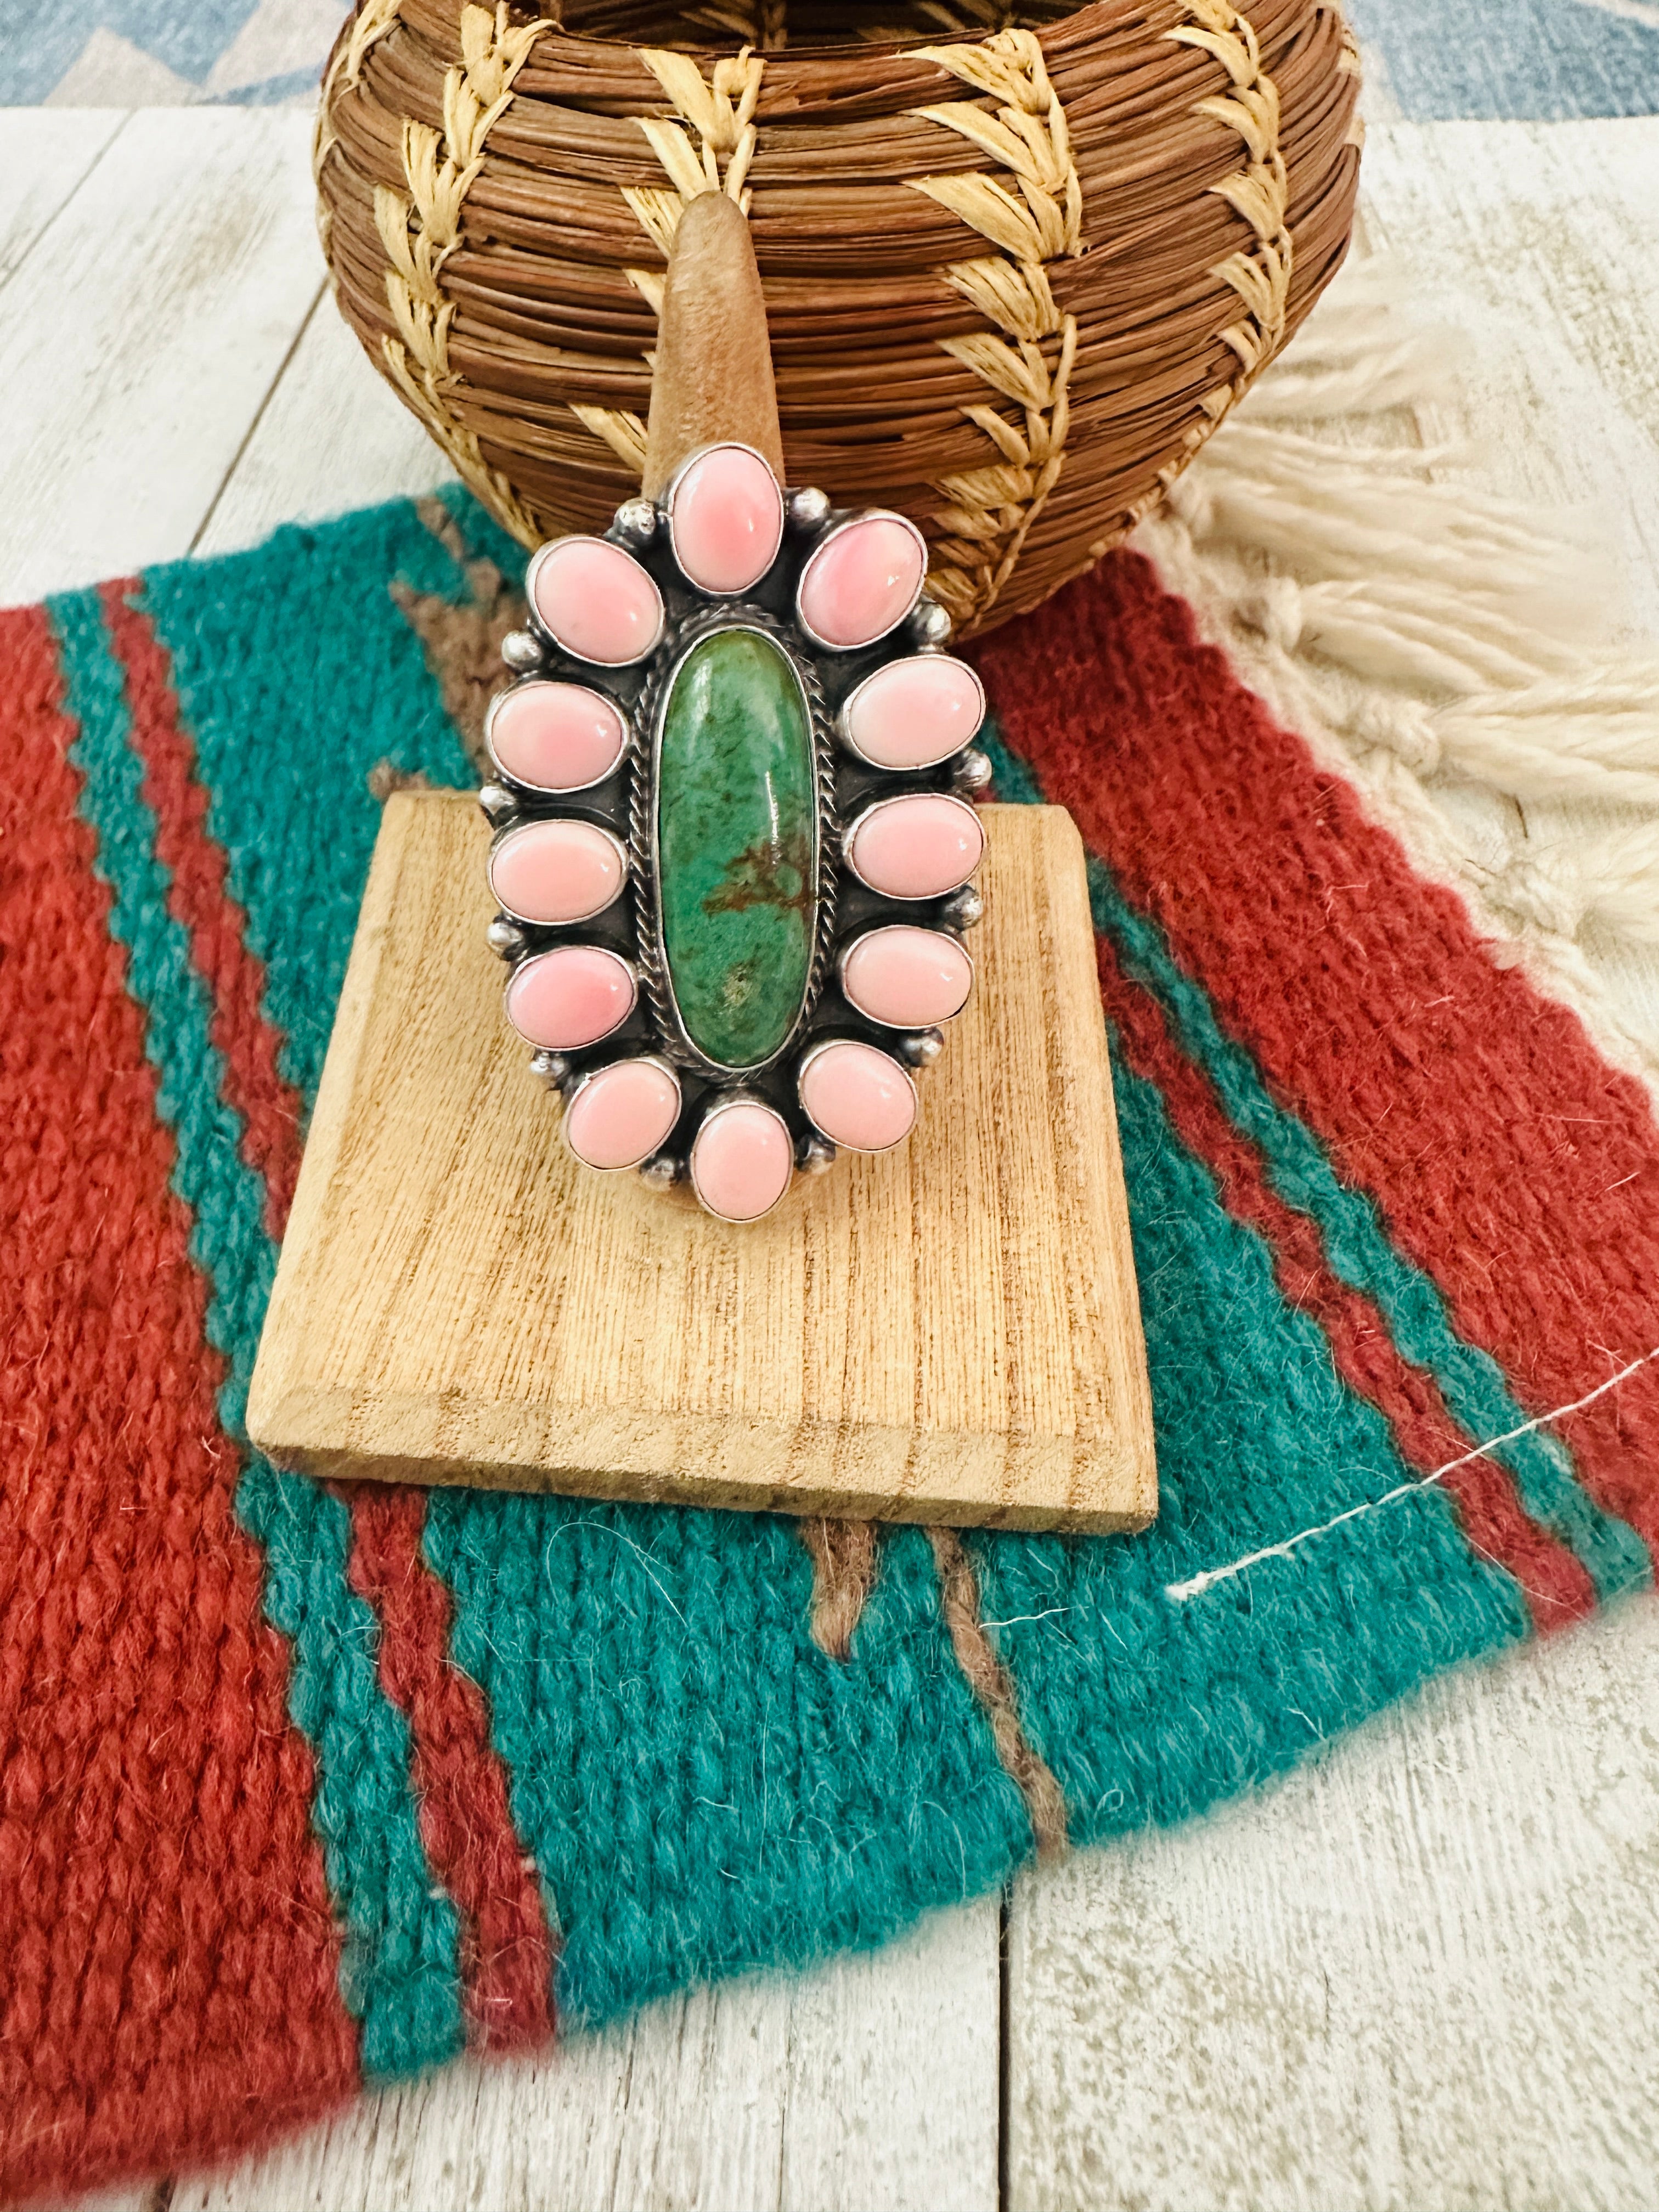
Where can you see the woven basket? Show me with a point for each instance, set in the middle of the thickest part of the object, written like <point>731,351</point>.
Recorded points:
<point>1014,277</point>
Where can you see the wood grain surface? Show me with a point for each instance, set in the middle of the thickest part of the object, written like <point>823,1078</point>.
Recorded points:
<point>1461,2017</point>
<point>870,2084</point>
<point>1422,1973</point>
<point>143,330</point>
<point>946,1332</point>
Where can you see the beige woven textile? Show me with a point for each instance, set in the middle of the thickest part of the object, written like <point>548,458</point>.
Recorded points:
<point>1014,277</point>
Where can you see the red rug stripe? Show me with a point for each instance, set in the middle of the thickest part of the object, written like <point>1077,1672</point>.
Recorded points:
<point>1368,1002</point>
<point>169,1968</point>
<point>466,1822</point>
<point>1558,1587</point>
<point>269,1105</point>
<point>466,1825</point>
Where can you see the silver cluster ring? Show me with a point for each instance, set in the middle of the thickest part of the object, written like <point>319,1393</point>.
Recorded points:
<point>733,847</point>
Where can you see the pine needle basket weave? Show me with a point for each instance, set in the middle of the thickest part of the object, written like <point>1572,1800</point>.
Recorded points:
<point>1015,270</point>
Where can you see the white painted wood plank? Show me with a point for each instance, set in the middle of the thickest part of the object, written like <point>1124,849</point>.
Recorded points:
<point>47,158</point>
<point>1541,240</point>
<point>331,436</point>
<point>873,2082</point>
<point>142,334</point>
<point>1422,1974</point>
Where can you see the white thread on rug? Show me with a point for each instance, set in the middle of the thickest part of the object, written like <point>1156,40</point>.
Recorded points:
<point>1196,1587</point>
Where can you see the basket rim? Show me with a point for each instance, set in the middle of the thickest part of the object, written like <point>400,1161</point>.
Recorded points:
<point>557,38</point>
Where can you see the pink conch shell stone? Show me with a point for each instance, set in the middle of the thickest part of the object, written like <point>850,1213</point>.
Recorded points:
<point>914,714</point>
<point>857,1096</point>
<point>917,847</point>
<point>554,871</point>
<point>556,737</point>
<point>727,520</point>
<point>596,601</point>
<point>907,978</point>
<point>622,1113</point>
<point>862,581</point>
<point>742,1160</point>
<point>569,997</point>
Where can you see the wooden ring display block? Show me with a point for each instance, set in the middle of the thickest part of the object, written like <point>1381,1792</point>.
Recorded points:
<point>949,1332</point>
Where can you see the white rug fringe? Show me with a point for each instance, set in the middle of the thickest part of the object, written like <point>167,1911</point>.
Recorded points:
<point>1421,629</point>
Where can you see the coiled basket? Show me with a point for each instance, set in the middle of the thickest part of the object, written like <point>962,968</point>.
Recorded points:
<point>1016,268</point>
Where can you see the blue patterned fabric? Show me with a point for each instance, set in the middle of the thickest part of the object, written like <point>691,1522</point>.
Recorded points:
<point>1516,60</point>
<point>148,53</point>
<point>1431,60</point>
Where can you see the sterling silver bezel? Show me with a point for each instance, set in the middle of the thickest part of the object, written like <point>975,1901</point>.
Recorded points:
<point>561,684</point>
<point>622,804</point>
<point>539,561</point>
<point>723,1105</point>
<point>844,720</point>
<point>849,841</point>
<point>546,953</point>
<point>523,827</point>
<point>591,1075</point>
<point>880,1021</point>
<point>837,530</point>
<point>669,498</point>
<point>828,1044</point>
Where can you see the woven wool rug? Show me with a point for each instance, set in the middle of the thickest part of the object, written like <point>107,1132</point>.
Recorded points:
<point>302,1788</point>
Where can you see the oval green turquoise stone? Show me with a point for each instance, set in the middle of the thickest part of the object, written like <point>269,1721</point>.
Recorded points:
<point>735,831</point>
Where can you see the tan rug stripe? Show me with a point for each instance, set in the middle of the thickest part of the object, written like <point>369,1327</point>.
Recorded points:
<point>843,1554</point>
<point>989,1680</point>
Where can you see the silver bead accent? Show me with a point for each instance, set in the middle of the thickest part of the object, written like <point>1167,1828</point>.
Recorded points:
<point>808,509</point>
<point>496,800</point>
<point>930,625</point>
<point>964,909</point>
<point>504,939</point>
<point>553,1067</point>
<point>816,1155</point>
<point>521,652</point>
<point>661,1173</point>
<point>974,770</point>
<point>636,520</point>
<point>922,1047</point>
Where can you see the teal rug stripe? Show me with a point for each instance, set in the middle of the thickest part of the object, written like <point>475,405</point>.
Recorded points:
<point>1548,59</point>
<point>704,1791</point>
<point>399,1965</point>
<point>399,1971</point>
<point>297,674</point>
<point>1148,1709</point>
<point>1357,1245</point>
<point>225,1197</point>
